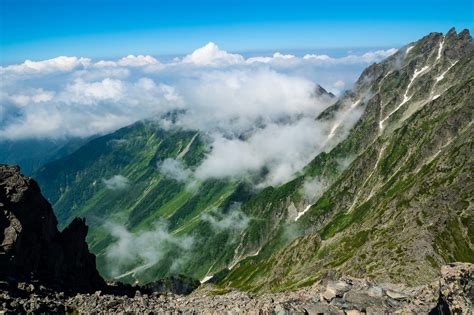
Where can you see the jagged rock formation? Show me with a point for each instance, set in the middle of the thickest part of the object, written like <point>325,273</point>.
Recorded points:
<point>32,248</point>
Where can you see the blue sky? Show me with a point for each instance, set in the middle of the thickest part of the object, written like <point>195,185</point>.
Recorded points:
<point>40,29</point>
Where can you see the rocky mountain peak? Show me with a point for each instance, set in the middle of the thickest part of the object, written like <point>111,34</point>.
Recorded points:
<point>31,246</point>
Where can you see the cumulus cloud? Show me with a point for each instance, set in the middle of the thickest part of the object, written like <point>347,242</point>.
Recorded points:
<point>234,100</point>
<point>58,64</point>
<point>282,149</point>
<point>90,93</point>
<point>116,182</point>
<point>257,112</point>
<point>210,54</point>
<point>144,249</point>
<point>32,96</point>
<point>275,58</point>
<point>137,61</point>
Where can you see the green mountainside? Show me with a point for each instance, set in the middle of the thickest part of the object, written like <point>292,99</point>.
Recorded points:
<point>404,205</point>
<point>389,199</point>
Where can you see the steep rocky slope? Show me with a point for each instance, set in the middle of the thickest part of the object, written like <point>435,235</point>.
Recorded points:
<point>403,206</point>
<point>32,248</point>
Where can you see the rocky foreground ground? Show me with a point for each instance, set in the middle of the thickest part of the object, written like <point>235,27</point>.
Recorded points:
<point>452,293</point>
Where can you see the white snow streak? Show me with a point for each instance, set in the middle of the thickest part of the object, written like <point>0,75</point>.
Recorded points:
<point>242,258</point>
<point>441,76</point>
<point>134,270</point>
<point>206,278</point>
<point>186,149</point>
<point>406,98</point>
<point>300,214</point>
<point>440,49</point>
<point>379,157</point>
<point>338,122</point>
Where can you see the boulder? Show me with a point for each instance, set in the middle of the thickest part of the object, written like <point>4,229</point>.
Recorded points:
<point>375,291</point>
<point>335,289</point>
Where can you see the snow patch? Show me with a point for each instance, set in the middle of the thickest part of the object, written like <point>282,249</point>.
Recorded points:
<point>406,98</point>
<point>440,49</point>
<point>186,149</point>
<point>206,278</point>
<point>300,214</point>
<point>408,49</point>
<point>441,76</point>
<point>356,199</point>
<point>134,270</point>
<point>338,123</point>
<point>231,266</point>
<point>355,104</point>
<point>333,129</point>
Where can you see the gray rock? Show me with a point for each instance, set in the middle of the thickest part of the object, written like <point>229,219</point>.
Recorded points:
<point>396,295</point>
<point>375,291</point>
<point>321,308</point>
<point>335,288</point>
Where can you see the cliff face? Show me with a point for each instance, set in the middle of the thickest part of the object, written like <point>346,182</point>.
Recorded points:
<point>31,246</point>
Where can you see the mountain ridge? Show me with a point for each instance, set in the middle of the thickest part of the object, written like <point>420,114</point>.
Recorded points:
<point>405,107</point>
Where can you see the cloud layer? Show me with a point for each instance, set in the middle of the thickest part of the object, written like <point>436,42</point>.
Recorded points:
<point>258,112</point>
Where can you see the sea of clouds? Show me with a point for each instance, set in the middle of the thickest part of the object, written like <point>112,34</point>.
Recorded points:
<point>257,111</point>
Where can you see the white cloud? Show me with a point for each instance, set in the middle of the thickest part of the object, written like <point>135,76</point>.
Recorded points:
<point>258,113</point>
<point>116,182</point>
<point>58,64</point>
<point>175,169</point>
<point>212,55</point>
<point>32,96</point>
<point>84,92</point>
<point>313,188</point>
<point>233,219</point>
<point>145,249</point>
<point>276,57</point>
<point>234,100</point>
<point>282,149</point>
<point>137,61</point>
<point>339,84</point>
<point>367,58</point>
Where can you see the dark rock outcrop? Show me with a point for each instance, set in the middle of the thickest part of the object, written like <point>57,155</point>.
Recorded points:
<point>176,284</point>
<point>32,249</point>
